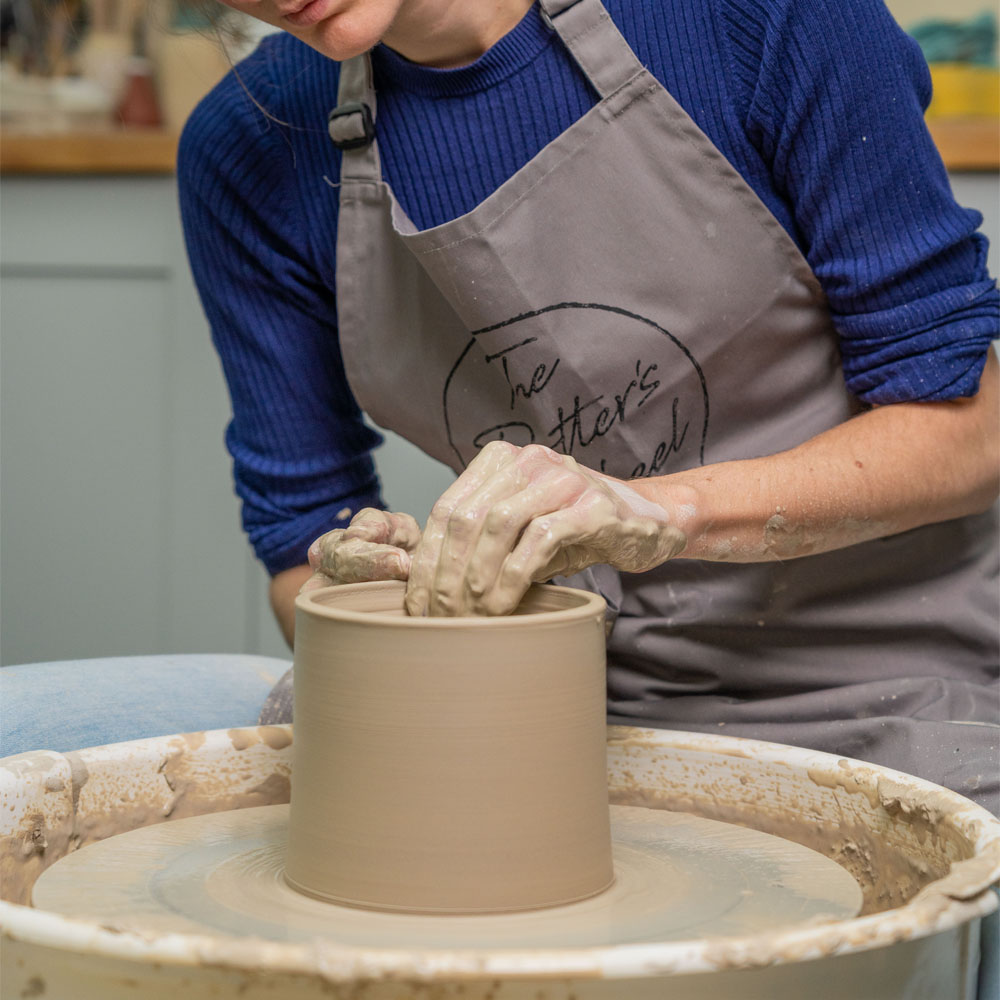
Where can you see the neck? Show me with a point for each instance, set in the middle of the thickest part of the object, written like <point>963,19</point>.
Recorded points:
<point>450,33</point>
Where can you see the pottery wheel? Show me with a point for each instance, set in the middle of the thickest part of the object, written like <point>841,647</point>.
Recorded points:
<point>677,877</point>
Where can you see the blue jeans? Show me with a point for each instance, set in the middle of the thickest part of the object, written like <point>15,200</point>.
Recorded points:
<point>83,703</point>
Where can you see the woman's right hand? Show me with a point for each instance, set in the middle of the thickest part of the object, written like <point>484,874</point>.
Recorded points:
<point>376,545</point>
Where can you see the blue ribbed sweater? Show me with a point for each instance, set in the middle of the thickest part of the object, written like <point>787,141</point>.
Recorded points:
<point>817,103</point>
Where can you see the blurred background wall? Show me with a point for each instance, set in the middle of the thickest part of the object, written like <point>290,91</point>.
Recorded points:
<point>119,531</point>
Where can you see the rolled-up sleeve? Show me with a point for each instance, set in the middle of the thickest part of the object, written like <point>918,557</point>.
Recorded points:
<point>837,111</point>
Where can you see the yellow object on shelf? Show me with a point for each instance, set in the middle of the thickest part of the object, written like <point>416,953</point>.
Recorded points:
<point>963,90</point>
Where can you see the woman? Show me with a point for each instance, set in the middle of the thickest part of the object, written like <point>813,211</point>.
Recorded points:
<point>680,292</point>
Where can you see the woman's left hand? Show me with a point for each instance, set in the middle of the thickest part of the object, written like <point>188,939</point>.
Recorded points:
<point>376,545</point>
<point>518,516</point>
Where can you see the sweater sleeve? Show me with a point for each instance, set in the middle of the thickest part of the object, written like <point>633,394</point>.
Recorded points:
<point>299,444</point>
<point>837,93</point>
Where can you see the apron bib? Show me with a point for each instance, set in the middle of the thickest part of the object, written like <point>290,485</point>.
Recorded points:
<point>627,299</point>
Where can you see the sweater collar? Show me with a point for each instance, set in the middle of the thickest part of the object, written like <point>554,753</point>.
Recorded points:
<point>520,46</point>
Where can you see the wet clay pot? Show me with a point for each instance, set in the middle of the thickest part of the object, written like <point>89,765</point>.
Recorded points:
<point>449,764</point>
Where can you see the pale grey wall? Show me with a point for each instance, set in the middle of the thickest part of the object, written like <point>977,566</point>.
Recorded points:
<point>117,521</point>
<point>119,530</point>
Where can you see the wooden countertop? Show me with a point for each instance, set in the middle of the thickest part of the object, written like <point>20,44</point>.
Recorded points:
<point>97,151</point>
<point>965,144</point>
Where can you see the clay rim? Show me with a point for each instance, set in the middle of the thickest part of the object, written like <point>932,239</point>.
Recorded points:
<point>582,605</point>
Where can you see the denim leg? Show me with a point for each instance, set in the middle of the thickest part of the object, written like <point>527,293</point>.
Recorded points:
<point>72,704</point>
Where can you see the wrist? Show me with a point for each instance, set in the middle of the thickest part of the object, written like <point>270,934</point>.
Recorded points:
<point>681,502</point>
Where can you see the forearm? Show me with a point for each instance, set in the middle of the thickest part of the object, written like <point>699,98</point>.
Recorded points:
<point>885,471</point>
<point>283,590</point>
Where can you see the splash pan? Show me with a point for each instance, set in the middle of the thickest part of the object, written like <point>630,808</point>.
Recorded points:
<point>224,924</point>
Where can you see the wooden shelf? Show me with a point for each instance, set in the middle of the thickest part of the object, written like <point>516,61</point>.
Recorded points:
<point>104,151</point>
<point>965,144</point>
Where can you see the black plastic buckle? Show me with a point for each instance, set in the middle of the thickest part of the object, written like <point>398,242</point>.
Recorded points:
<point>347,134</point>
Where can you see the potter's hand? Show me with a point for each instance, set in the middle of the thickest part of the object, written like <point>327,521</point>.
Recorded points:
<point>519,516</point>
<point>376,545</point>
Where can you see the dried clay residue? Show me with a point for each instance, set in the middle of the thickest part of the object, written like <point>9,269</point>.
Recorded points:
<point>276,737</point>
<point>243,738</point>
<point>185,783</point>
<point>967,879</point>
<point>192,789</point>
<point>37,843</point>
<point>890,866</point>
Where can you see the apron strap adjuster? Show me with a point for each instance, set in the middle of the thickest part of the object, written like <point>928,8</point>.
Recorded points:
<point>551,9</point>
<point>351,125</point>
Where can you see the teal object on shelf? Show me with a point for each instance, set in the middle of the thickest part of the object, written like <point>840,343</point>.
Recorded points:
<point>192,16</point>
<point>972,41</point>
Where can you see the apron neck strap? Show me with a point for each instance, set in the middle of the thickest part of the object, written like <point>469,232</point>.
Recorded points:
<point>585,28</point>
<point>598,47</point>
<point>351,123</point>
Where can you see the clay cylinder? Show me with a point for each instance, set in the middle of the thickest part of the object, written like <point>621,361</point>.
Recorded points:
<point>449,765</point>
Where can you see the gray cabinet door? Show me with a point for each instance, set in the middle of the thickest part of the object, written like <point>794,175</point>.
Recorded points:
<point>120,531</point>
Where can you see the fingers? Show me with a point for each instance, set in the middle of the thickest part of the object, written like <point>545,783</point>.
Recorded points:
<point>385,527</point>
<point>524,515</point>
<point>591,531</point>
<point>453,513</point>
<point>550,546</point>
<point>539,501</point>
<point>353,560</point>
<point>477,523</point>
<point>375,546</point>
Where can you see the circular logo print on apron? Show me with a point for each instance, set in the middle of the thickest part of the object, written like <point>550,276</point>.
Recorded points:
<point>615,390</point>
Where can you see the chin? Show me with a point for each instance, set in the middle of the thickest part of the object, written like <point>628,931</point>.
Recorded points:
<point>348,34</point>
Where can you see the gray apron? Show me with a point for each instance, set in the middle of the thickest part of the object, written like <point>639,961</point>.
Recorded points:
<point>627,299</point>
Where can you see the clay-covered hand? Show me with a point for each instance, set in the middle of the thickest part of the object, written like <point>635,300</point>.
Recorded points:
<point>518,516</point>
<point>376,545</point>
